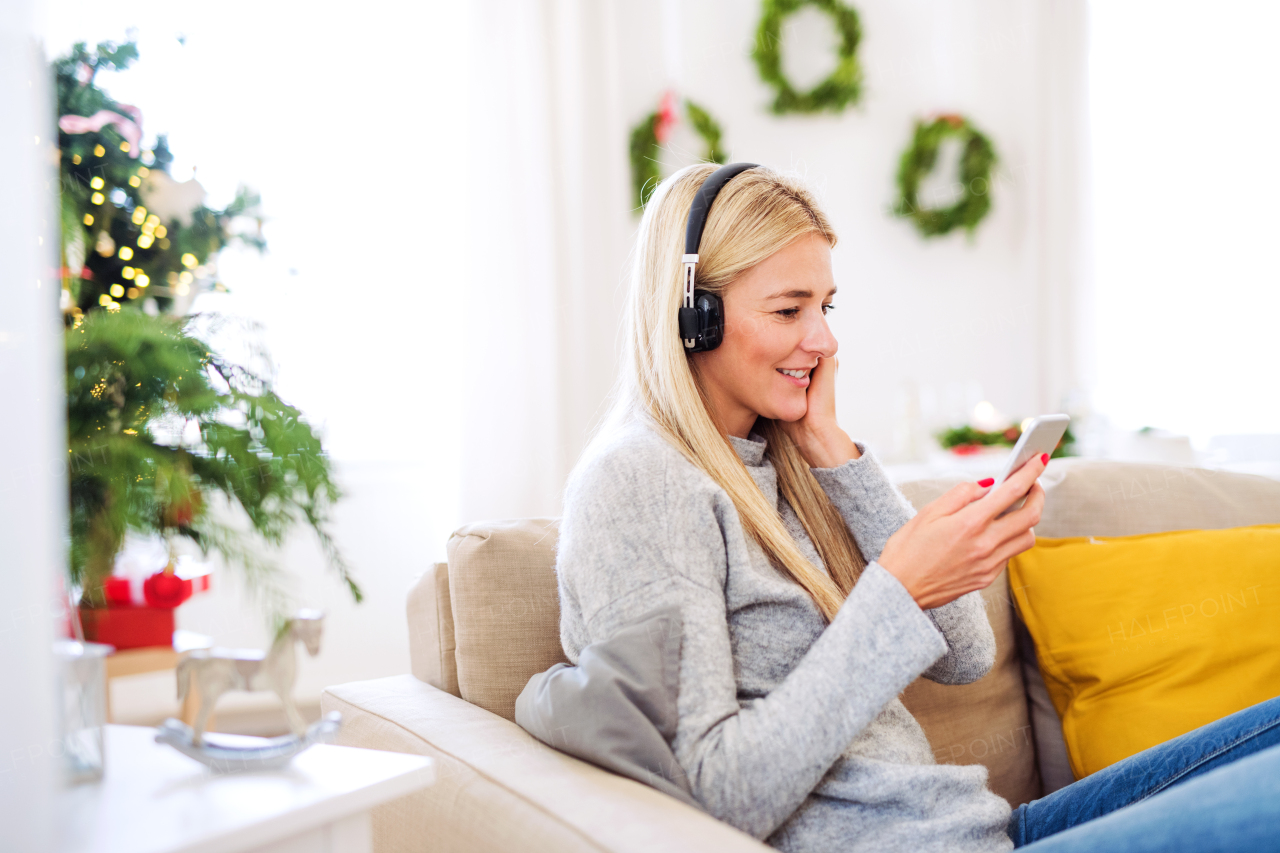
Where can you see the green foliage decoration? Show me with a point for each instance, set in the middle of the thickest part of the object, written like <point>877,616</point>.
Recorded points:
<point>977,159</point>
<point>103,211</point>
<point>840,89</point>
<point>158,424</point>
<point>646,145</point>
<point>970,438</point>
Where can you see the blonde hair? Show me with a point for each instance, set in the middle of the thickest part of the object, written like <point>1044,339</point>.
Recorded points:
<point>755,215</point>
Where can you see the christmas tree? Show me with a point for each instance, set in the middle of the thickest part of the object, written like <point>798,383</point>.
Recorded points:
<point>160,426</point>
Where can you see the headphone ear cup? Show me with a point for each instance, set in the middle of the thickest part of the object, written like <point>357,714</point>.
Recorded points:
<point>710,310</point>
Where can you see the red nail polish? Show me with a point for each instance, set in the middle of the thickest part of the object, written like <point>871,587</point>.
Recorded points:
<point>1044,457</point>
<point>986,481</point>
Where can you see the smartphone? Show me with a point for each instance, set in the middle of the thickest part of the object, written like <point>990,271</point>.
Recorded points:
<point>1041,436</point>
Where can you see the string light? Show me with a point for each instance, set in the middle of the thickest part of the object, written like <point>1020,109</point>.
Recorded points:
<point>97,198</point>
<point>104,300</point>
<point>88,219</point>
<point>143,170</point>
<point>142,279</point>
<point>117,290</point>
<point>75,159</point>
<point>189,260</point>
<point>128,272</point>
<point>139,215</point>
<point>182,289</point>
<point>133,292</point>
<point>144,241</point>
<point>98,151</point>
<point>124,146</point>
<point>97,183</point>
<point>135,181</point>
<point>160,232</point>
<point>126,253</point>
<point>185,278</point>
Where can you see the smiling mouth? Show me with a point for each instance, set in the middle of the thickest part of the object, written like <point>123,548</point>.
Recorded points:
<point>795,374</point>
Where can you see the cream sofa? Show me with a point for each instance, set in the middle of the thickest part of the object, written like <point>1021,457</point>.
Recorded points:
<point>486,621</point>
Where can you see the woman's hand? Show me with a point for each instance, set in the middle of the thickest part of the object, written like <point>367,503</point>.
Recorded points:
<point>956,544</point>
<point>820,439</point>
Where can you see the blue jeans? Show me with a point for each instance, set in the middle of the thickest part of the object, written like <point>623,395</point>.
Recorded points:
<point>1215,788</point>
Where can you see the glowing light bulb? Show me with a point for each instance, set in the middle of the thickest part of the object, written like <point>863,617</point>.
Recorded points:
<point>98,151</point>
<point>126,253</point>
<point>161,231</point>
<point>97,183</point>
<point>144,171</point>
<point>104,300</point>
<point>135,181</point>
<point>88,219</point>
<point>133,292</point>
<point>117,290</point>
<point>189,260</point>
<point>144,241</point>
<point>139,215</point>
<point>124,146</point>
<point>75,159</point>
<point>185,278</point>
<point>128,272</point>
<point>142,279</point>
<point>97,198</point>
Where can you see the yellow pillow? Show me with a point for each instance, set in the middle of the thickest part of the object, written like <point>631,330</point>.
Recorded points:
<point>1143,638</point>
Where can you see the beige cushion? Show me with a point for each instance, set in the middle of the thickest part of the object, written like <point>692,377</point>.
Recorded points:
<point>986,722</point>
<point>1096,497</point>
<point>506,608</point>
<point>431,644</point>
<point>498,789</point>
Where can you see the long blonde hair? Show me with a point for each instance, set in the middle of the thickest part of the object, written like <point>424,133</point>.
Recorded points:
<point>755,215</point>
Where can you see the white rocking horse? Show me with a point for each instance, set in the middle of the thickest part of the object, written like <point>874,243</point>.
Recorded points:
<point>215,671</point>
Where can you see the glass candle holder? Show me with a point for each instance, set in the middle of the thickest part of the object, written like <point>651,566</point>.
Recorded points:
<point>81,707</point>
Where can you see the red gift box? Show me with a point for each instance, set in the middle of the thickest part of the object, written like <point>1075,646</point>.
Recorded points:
<point>128,626</point>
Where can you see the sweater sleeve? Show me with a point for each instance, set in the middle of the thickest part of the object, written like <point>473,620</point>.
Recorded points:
<point>629,544</point>
<point>874,509</point>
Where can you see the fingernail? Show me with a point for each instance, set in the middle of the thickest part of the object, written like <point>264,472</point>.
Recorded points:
<point>1044,457</point>
<point>986,481</point>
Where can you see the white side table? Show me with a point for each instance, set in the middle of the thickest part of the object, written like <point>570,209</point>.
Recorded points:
<point>153,799</point>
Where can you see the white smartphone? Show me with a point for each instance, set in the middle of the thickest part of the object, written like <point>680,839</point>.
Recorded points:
<point>1040,436</point>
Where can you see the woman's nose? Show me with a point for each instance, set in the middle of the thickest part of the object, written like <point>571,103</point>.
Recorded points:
<point>820,339</point>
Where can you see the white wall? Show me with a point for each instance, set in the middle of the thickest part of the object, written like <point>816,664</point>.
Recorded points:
<point>32,482</point>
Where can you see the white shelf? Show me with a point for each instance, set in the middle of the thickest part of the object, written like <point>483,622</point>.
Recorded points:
<point>153,799</point>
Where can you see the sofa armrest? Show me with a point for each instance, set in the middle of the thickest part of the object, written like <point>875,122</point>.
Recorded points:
<point>499,789</point>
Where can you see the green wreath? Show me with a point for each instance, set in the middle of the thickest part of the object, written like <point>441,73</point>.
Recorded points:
<point>645,145</point>
<point>841,88</point>
<point>976,162</point>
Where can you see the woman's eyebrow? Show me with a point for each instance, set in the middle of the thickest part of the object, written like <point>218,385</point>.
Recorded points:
<point>797,294</point>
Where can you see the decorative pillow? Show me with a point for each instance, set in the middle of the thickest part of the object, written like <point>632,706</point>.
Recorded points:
<point>617,707</point>
<point>1144,638</point>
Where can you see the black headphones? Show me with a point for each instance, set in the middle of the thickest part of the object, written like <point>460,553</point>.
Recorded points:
<point>702,314</point>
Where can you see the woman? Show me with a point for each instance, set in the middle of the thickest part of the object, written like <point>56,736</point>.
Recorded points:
<point>810,592</point>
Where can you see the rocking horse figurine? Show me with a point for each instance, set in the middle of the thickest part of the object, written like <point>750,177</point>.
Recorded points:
<point>213,672</point>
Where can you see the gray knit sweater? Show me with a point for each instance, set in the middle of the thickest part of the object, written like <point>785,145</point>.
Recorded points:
<point>789,728</point>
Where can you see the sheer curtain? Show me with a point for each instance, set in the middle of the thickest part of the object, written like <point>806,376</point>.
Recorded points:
<point>1183,139</point>
<point>548,230</point>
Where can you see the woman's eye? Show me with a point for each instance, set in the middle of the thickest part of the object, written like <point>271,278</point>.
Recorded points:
<point>827,308</point>
<point>789,312</point>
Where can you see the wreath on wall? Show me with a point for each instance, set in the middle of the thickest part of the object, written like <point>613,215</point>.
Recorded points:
<point>841,88</point>
<point>653,131</point>
<point>974,181</point>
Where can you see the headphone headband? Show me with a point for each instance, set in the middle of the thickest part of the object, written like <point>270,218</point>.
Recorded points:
<point>702,202</point>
